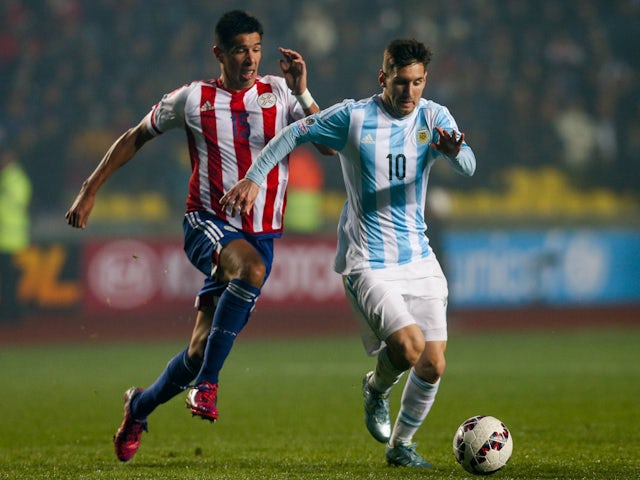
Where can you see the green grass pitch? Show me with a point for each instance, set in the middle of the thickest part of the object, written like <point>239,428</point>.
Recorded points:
<point>292,409</point>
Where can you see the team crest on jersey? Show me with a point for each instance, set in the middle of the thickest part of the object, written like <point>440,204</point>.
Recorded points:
<point>267,100</point>
<point>423,136</point>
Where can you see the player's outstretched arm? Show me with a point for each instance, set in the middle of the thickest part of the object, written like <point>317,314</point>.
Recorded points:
<point>122,150</point>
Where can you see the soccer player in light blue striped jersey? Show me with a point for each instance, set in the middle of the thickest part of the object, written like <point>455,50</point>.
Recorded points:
<point>387,145</point>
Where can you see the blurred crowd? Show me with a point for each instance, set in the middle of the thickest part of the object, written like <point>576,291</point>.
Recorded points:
<point>539,83</point>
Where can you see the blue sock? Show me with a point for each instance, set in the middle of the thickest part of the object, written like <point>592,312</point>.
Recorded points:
<point>177,376</point>
<point>232,314</point>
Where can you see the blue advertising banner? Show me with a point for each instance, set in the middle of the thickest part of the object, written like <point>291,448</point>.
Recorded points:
<point>506,268</point>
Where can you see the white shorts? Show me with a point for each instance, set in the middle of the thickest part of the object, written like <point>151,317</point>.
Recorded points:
<point>384,301</point>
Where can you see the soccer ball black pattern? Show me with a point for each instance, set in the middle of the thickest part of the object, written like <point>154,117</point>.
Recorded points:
<point>482,445</point>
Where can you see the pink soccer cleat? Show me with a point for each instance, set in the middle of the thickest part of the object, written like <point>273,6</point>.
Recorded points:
<point>202,400</point>
<point>127,438</point>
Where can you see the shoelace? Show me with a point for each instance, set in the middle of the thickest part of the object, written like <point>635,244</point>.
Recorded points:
<point>381,410</point>
<point>208,394</point>
<point>411,452</point>
<point>380,406</point>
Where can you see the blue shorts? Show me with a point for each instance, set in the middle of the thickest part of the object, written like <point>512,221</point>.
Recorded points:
<point>205,235</point>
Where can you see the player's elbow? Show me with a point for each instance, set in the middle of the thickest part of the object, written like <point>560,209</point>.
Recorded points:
<point>324,150</point>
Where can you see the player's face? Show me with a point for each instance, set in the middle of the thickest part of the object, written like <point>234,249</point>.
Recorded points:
<point>402,88</point>
<point>240,62</point>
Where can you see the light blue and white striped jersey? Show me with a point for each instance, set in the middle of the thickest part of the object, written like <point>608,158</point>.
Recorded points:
<point>385,164</point>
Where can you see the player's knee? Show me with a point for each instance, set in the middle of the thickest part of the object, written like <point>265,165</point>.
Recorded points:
<point>438,367</point>
<point>406,352</point>
<point>253,272</point>
<point>247,267</point>
<point>240,260</point>
<point>431,369</point>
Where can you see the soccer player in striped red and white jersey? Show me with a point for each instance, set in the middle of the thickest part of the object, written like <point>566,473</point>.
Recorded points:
<point>228,120</point>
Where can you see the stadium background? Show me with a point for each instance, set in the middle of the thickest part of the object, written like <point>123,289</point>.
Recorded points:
<point>546,232</point>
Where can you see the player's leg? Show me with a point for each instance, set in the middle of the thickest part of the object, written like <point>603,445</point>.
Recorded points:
<point>381,314</point>
<point>398,355</point>
<point>243,267</point>
<point>419,393</point>
<point>376,389</point>
<point>405,346</point>
<point>418,396</point>
<point>426,298</point>
<point>201,330</point>
<point>179,372</point>
<point>176,377</point>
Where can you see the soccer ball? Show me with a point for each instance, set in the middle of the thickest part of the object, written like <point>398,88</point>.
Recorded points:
<point>482,445</point>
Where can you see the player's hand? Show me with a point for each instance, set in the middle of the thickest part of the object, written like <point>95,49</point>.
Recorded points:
<point>294,70</point>
<point>80,210</point>
<point>240,198</point>
<point>448,144</point>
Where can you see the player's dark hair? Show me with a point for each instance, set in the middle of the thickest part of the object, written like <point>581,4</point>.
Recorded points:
<point>404,52</point>
<point>234,23</point>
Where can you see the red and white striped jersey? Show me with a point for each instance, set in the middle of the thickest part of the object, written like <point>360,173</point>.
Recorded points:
<point>226,131</point>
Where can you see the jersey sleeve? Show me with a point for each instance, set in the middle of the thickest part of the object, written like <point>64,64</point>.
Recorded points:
<point>465,162</point>
<point>329,127</point>
<point>168,113</point>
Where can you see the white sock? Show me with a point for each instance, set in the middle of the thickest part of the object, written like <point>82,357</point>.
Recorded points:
<point>417,398</point>
<point>385,375</point>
